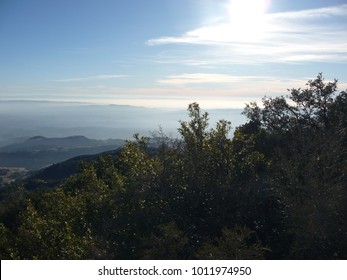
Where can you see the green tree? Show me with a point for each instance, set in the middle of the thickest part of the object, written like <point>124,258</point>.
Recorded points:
<point>54,229</point>
<point>234,244</point>
<point>166,242</point>
<point>308,160</point>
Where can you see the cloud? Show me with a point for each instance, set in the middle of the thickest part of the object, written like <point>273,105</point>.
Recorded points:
<point>228,85</point>
<point>178,91</point>
<point>90,78</point>
<point>317,35</point>
<point>325,12</point>
<point>204,78</point>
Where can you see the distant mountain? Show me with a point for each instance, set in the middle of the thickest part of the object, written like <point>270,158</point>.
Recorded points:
<point>23,119</point>
<point>38,152</point>
<point>38,143</point>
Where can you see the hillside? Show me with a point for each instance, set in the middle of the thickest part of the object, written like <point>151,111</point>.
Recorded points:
<point>55,174</point>
<point>9,175</point>
<point>38,152</point>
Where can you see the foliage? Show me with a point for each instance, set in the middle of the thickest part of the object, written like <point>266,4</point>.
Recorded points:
<point>233,244</point>
<point>275,190</point>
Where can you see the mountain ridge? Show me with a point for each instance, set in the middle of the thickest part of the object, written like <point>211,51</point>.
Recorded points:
<point>37,152</point>
<point>24,119</point>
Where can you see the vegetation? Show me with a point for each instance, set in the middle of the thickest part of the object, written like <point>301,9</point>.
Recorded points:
<point>275,190</point>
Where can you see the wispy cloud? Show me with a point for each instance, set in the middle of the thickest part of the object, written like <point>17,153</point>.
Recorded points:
<point>90,78</point>
<point>205,78</point>
<point>238,91</point>
<point>229,85</point>
<point>318,35</point>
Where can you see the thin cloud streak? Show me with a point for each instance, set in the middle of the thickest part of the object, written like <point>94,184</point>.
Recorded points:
<point>317,35</point>
<point>235,94</point>
<point>99,77</point>
<point>206,78</point>
<point>324,12</point>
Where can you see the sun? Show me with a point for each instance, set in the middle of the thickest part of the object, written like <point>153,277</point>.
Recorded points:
<point>247,8</point>
<point>247,18</point>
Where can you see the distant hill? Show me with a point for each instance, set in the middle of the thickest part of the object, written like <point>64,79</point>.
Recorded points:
<point>20,119</point>
<point>38,143</point>
<point>38,152</point>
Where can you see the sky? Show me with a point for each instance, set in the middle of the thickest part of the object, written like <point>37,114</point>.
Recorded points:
<point>168,53</point>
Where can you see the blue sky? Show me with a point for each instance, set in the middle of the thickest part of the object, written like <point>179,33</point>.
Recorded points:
<point>167,53</point>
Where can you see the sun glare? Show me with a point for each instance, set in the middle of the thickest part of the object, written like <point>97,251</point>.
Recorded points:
<point>247,8</point>
<point>247,18</point>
